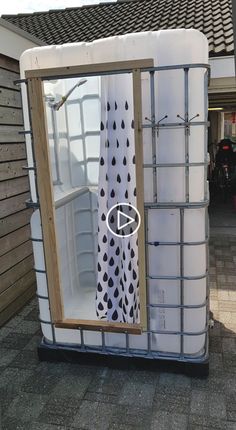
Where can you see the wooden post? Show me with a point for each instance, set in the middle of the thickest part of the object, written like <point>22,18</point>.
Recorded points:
<point>45,190</point>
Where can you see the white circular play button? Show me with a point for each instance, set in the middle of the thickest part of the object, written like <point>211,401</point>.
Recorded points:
<point>123,220</point>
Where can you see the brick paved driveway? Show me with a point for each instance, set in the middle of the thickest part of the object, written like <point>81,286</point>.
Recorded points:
<point>47,396</point>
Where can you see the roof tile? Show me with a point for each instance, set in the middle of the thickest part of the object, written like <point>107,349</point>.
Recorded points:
<point>87,23</point>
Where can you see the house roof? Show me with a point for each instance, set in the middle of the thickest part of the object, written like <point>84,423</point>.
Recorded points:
<point>87,23</point>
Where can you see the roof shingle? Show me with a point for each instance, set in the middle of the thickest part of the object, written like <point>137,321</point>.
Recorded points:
<point>88,23</point>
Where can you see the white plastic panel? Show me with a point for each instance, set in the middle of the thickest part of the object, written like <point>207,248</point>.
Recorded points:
<point>166,48</point>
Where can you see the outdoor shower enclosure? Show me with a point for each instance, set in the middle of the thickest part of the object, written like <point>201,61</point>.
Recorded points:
<point>120,120</point>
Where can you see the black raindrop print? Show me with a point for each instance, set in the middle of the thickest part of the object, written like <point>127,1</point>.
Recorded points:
<point>131,289</point>
<point>130,266</point>
<point>99,249</point>
<point>132,253</point>
<point>132,124</point>
<point>124,310</point>
<point>108,106</point>
<point>113,162</point>
<point>112,194</point>
<point>120,303</point>
<point>106,177</point>
<point>114,316</point>
<point>117,271</point>
<point>134,275</point>
<point>106,124</point>
<point>134,159</point>
<point>102,126</point>
<point>105,297</point>
<point>112,219</point>
<point>105,277</point>
<point>103,217</point>
<point>115,106</point>
<point>126,194</point>
<point>104,239</point>
<point>100,306</point>
<point>99,287</point>
<point>105,257</point>
<point>129,246</point>
<point>102,161</point>
<point>116,293</point>
<point>123,255</point>
<point>99,267</point>
<point>111,262</point>
<point>117,143</point>
<point>112,242</point>
<point>126,105</point>
<point>107,143</point>
<point>122,124</point>
<point>118,178</point>
<point>126,301</point>
<point>110,282</point>
<point>114,125</point>
<point>127,142</point>
<point>117,250</point>
<point>135,193</point>
<point>109,304</point>
<point>102,193</point>
<point>125,277</point>
<point>131,313</point>
<point>124,161</point>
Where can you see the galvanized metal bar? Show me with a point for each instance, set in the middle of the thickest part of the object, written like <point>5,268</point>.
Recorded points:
<point>205,135</point>
<point>124,71</point>
<point>20,81</point>
<point>180,332</point>
<point>176,205</point>
<point>41,297</point>
<point>202,242</point>
<point>147,283</point>
<point>34,239</point>
<point>172,306</point>
<point>182,124</point>
<point>153,120</point>
<point>149,165</point>
<point>187,131</point>
<point>103,340</point>
<point>30,204</point>
<point>179,278</point>
<point>29,168</point>
<point>39,270</point>
<point>24,132</point>
<point>127,342</point>
<point>82,338</point>
<point>133,352</point>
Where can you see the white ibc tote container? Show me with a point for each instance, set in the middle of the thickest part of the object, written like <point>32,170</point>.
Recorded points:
<point>174,110</point>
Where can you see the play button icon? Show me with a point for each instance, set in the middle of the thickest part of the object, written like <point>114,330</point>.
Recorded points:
<point>123,220</point>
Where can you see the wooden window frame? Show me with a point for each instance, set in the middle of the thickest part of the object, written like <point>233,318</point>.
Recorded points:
<point>35,80</point>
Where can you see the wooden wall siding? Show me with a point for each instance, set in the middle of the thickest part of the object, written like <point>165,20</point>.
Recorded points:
<point>17,277</point>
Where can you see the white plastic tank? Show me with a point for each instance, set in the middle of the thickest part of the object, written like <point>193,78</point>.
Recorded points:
<point>166,48</point>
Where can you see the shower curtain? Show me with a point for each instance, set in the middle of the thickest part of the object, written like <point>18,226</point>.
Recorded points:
<point>117,296</point>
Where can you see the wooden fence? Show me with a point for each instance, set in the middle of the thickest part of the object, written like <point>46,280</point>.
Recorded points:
<point>17,278</point>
